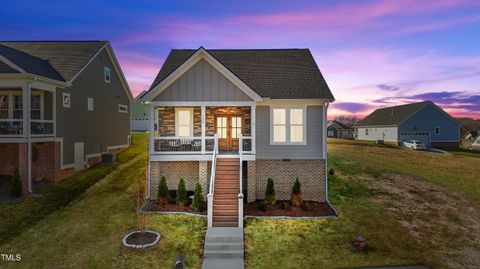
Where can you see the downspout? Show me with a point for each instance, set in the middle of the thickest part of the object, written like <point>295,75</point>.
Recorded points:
<point>325,108</point>
<point>29,139</point>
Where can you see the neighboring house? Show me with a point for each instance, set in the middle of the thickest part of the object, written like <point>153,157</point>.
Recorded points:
<point>339,129</point>
<point>469,138</point>
<point>265,111</point>
<point>476,143</point>
<point>139,115</point>
<point>62,104</point>
<point>423,121</point>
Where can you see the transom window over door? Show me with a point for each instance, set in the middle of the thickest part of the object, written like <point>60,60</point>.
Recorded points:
<point>288,126</point>
<point>183,122</point>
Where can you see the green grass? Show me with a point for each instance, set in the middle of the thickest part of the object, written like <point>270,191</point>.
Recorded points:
<point>328,243</point>
<point>87,232</point>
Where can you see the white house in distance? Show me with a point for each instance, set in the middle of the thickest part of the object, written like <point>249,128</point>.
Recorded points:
<point>422,121</point>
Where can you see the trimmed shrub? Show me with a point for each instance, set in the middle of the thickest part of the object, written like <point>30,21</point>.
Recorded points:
<point>270,192</point>
<point>296,194</point>
<point>285,206</point>
<point>163,191</point>
<point>181,198</point>
<point>331,172</point>
<point>198,203</point>
<point>16,188</point>
<point>305,206</point>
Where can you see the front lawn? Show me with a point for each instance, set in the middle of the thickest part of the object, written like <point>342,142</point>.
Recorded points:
<point>87,232</point>
<point>412,207</point>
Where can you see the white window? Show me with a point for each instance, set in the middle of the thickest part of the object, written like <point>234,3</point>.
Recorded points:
<point>437,130</point>
<point>122,108</point>
<point>90,104</point>
<point>183,122</point>
<point>288,126</point>
<point>35,107</point>
<point>106,74</point>
<point>66,99</point>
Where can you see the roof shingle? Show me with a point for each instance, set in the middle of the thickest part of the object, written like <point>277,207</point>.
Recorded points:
<point>392,116</point>
<point>273,73</point>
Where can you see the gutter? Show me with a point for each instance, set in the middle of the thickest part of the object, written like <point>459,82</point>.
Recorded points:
<point>327,104</point>
<point>37,78</point>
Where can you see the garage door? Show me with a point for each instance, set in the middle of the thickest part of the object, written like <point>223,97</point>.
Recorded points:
<point>422,136</point>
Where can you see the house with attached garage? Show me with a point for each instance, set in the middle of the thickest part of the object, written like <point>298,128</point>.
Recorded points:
<point>422,121</point>
<point>62,104</point>
<point>233,118</point>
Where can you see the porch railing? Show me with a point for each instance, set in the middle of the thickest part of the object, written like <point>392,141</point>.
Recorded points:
<point>211,188</point>
<point>42,127</point>
<point>11,127</point>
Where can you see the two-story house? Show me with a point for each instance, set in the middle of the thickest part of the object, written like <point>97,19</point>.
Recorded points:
<point>233,118</point>
<point>62,104</point>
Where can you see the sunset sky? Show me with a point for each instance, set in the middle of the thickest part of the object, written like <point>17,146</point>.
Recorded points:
<point>372,53</point>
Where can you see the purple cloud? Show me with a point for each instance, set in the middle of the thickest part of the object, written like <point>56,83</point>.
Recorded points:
<point>351,107</point>
<point>388,88</point>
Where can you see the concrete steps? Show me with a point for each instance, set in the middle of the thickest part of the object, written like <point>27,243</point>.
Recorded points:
<point>224,243</point>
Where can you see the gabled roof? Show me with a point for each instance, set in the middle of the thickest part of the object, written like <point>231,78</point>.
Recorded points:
<point>5,68</point>
<point>473,134</point>
<point>271,73</point>
<point>392,116</point>
<point>59,60</point>
<point>338,124</point>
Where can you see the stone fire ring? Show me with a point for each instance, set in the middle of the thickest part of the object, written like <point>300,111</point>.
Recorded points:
<point>157,238</point>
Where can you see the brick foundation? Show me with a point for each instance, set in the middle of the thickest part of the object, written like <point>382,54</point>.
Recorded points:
<point>8,158</point>
<point>173,171</point>
<point>310,173</point>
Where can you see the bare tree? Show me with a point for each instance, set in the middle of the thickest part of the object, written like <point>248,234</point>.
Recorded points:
<point>349,120</point>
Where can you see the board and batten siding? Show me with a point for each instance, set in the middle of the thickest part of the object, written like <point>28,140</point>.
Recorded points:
<point>313,148</point>
<point>429,117</point>
<point>389,134</point>
<point>104,126</point>
<point>202,82</point>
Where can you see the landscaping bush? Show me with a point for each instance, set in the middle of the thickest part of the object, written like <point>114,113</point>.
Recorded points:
<point>296,194</point>
<point>262,206</point>
<point>270,192</point>
<point>163,191</point>
<point>198,203</point>
<point>285,206</point>
<point>305,206</point>
<point>181,198</point>
<point>331,172</point>
<point>16,186</point>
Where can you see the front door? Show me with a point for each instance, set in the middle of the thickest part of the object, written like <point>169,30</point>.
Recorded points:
<point>228,127</point>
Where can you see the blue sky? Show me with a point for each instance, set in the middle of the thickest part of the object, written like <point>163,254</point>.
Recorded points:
<point>372,53</point>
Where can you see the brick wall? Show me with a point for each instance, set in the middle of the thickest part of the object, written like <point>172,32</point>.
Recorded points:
<point>173,171</point>
<point>43,158</point>
<point>310,173</point>
<point>8,158</point>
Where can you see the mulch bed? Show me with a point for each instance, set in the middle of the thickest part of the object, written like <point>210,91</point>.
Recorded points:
<point>283,208</point>
<point>139,238</point>
<point>154,206</point>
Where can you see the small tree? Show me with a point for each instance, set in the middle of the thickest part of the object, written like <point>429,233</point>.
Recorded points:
<point>198,203</point>
<point>16,186</point>
<point>270,192</point>
<point>163,191</point>
<point>296,194</point>
<point>141,218</point>
<point>181,193</point>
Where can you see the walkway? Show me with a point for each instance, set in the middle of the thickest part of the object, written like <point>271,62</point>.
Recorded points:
<point>223,248</point>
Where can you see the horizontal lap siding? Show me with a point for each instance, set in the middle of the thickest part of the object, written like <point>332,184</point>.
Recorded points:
<point>312,150</point>
<point>102,127</point>
<point>389,134</point>
<point>202,82</point>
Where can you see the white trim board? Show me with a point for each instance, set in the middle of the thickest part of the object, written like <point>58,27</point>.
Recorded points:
<point>200,54</point>
<point>11,64</point>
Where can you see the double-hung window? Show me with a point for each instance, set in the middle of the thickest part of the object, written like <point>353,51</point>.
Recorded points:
<point>183,122</point>
<point>36,107</point>
<point>4,101</point>
<point>288,126</point>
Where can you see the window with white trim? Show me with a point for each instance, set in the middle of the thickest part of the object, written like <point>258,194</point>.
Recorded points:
<point>183,122</point>
<point>35,107</point>
<point>437,130</point>
<point>122,108</point>
<point>106,74</point>
<point>4,106</point>
<point>18,107</point>
<point>366,131</point>
<point>66,101</point>
<point>288,125</point>
<point>90,104</point>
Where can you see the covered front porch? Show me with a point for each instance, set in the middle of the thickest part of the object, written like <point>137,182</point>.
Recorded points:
<point>185,129</point>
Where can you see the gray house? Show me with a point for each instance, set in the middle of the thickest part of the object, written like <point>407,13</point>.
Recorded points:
<point>233,118</point>
<point>62,104</point>
<point>338,129</point>
<point>423,121</point>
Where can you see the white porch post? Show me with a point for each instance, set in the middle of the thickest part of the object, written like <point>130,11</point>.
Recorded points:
<point>203,129</point>
<point>252,123</point>
<point>26,91</point>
